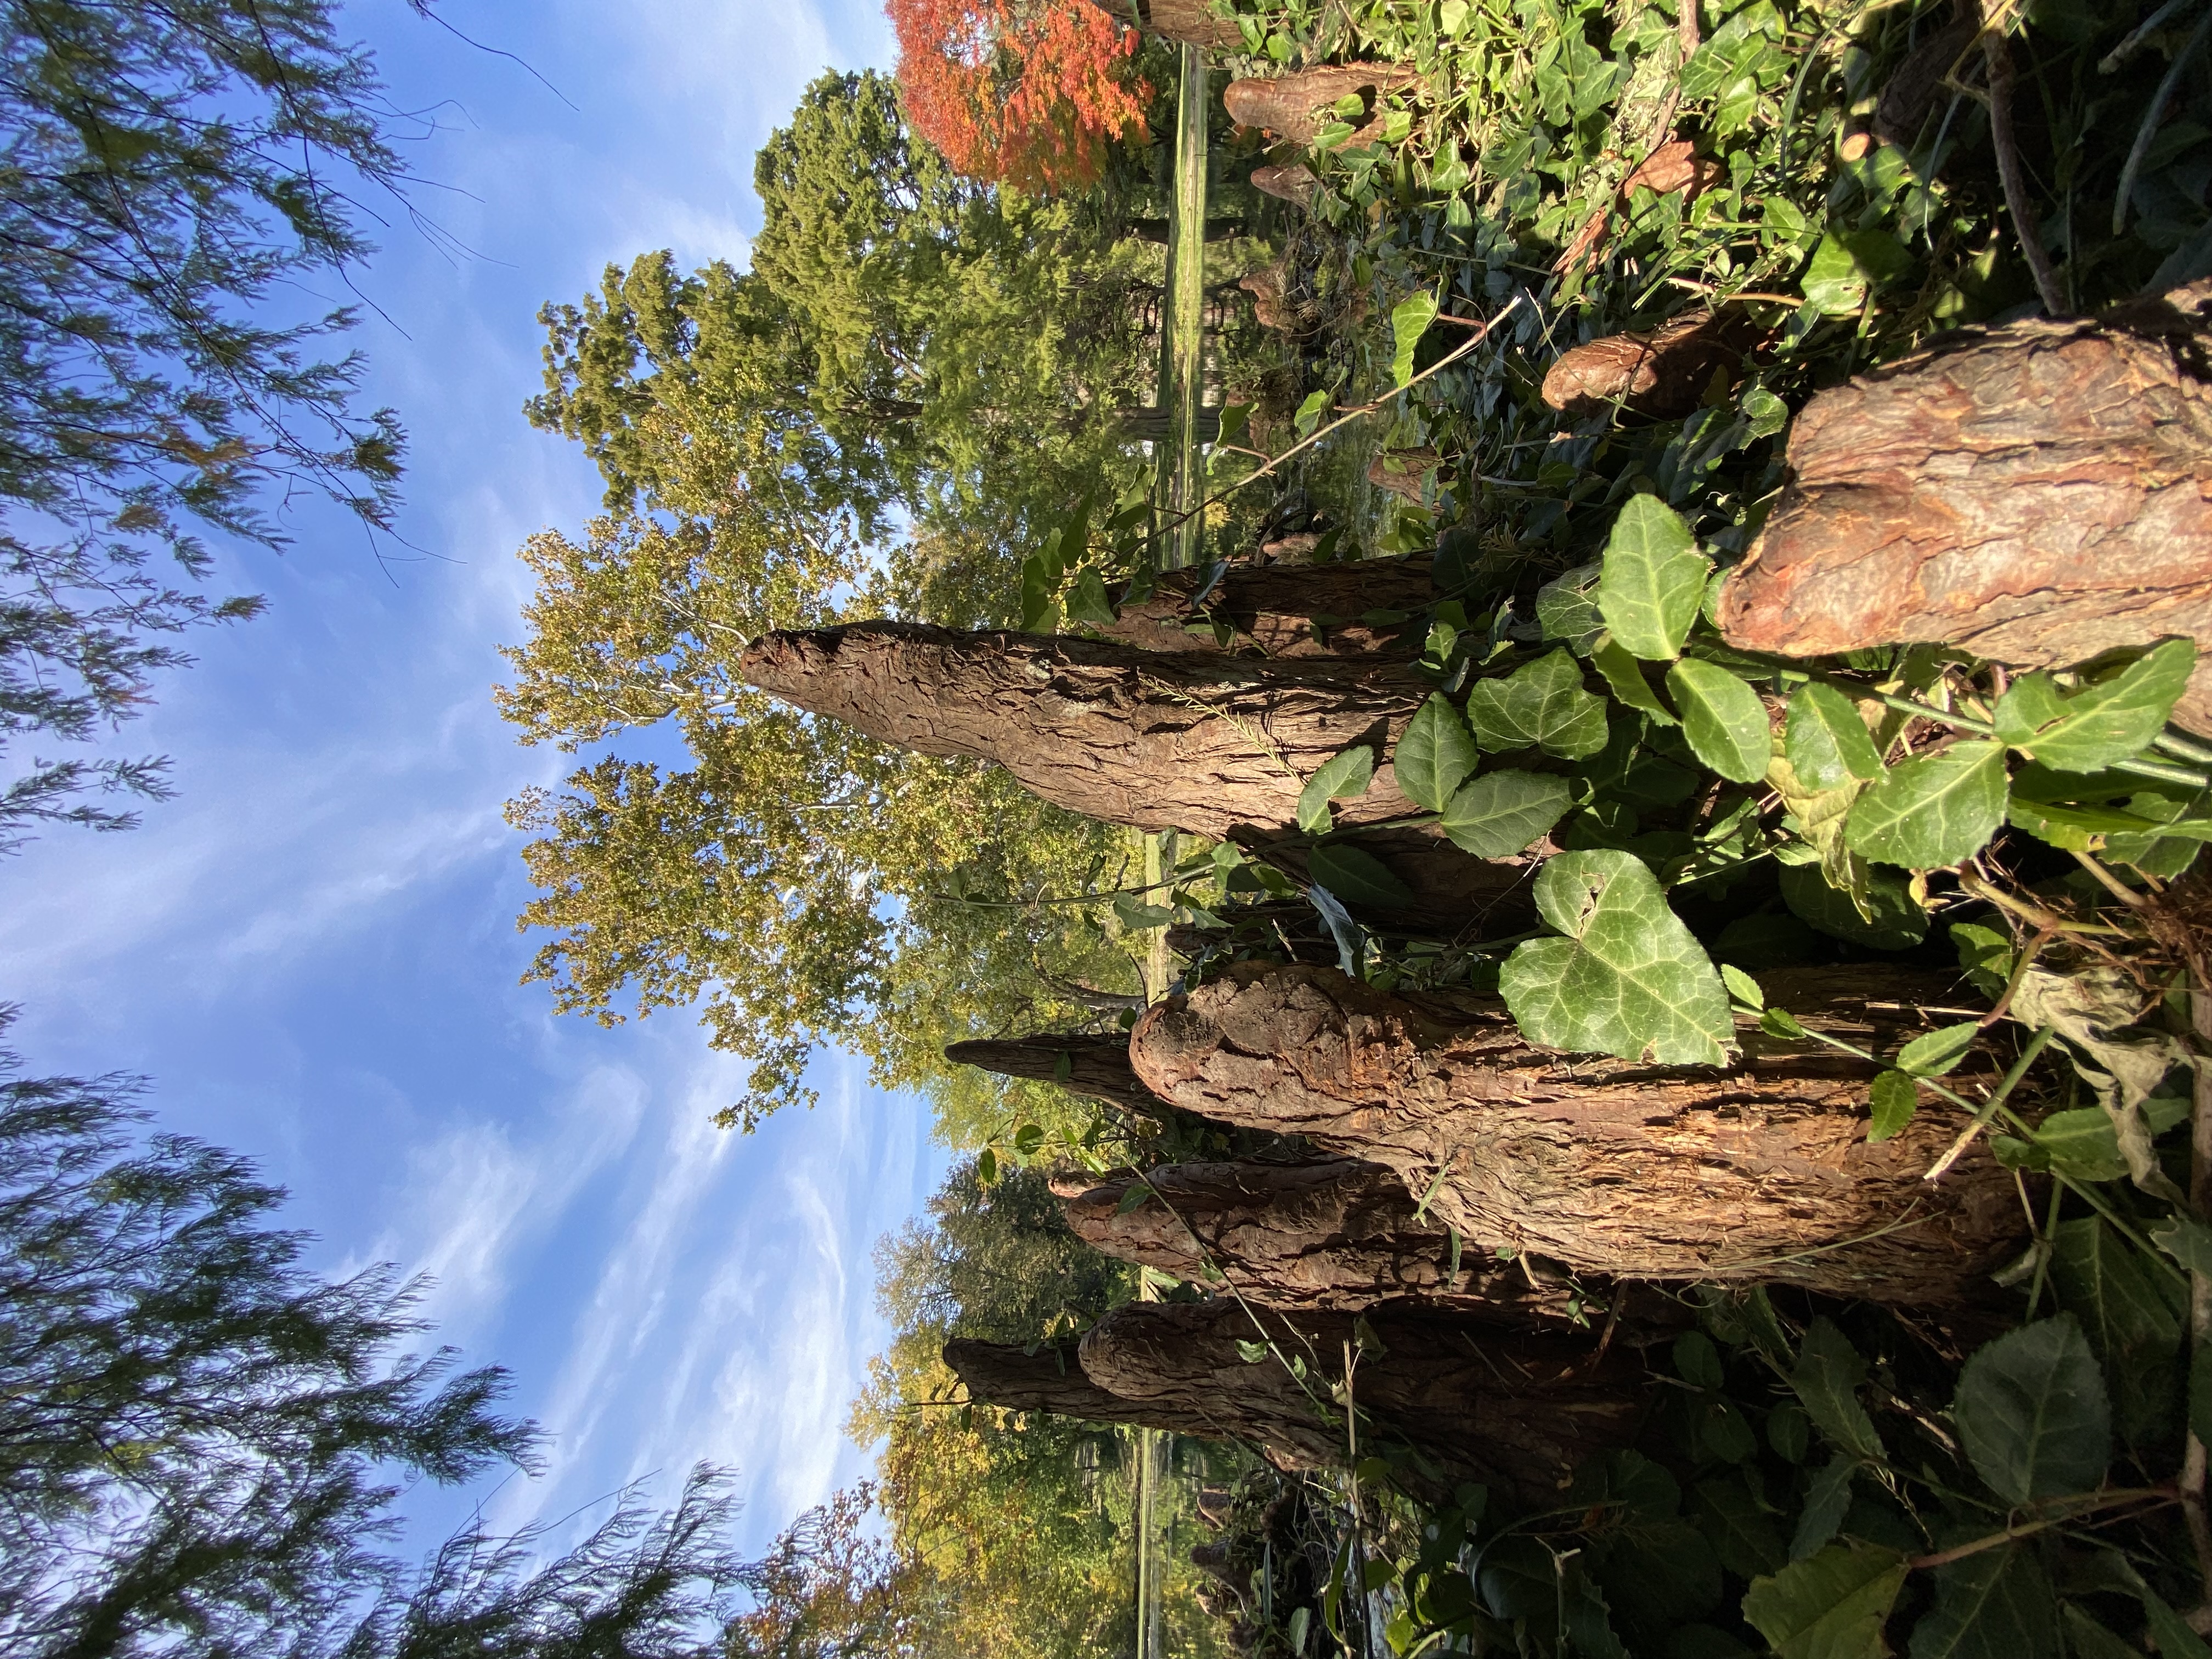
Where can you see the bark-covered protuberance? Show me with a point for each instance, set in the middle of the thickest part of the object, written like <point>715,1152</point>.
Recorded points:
<point>1297,106</point>
<point>1284,610</point>
<point>1052,1379</point>
<point>1097,1066</point>
<point>1662,372</point>
<point>1217,746</point>
<point>1338,1233</point>
<point>1518,1410</point>
<point>2036,494</point>
<point>1192,23</point>
<point>1759,1172</point>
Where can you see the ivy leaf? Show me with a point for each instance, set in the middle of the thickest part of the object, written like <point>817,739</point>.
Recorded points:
<point>1828,1376</point>
<point>2033,1413</point>
<point>1996,1605</point>
<point>1499,813</point>
<point>1848,263</point>
<point>1894,1097</point>
<point>1436,755</point>
<point>1089,603</point>
<point>1340,777</point>
<point>1933,810</point>
<point>2107,720</point>
<point>1654,578</point>
<point>1040,589</point>
<point>1358,877</point>
<point>1566,608</point>
<point>1310,411</point>
<point>1409,320</point>
<point>1625,675</point>
<point>1831,1606</point>
<point>1723,718</point>
<point>1627,979</point>
<point>1825,742</point>
<point>1540,705</point>
<point>1936,1053</point>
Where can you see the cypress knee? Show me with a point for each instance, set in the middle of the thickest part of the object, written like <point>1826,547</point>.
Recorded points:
<point>1518,1410</point>
<point>1339,1234</point>
<point>1217,746</point>
<point>1097,1067</point>
<point>1761,1171</point>
<point>1286,610</point>
<point>2036,494</point>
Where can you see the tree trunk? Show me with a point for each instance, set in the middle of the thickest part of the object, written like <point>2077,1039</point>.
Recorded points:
<point>1519,1411</point>
<point>2036,494</point>
<point>1761,1172</point>
<point>1097,1067</point>
<point>1157,230</point>
<point>1339,1234</point>
<point>1286,610</point>
<point>1190,22</point>
<point>1296,106</point>
<point>1149,424</point>
<point>1215,746</point>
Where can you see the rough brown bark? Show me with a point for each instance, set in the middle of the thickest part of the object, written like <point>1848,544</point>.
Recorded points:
<point>1097,1067</point>
<point>1403,471</point>
<point>1293,183</point>
<point>1216,746</point>
<point>1286,610</point>
<point>2036,494</point>
<point>1190,22</point>
<point>1662,372</point>
<point>1339,1234</point>
<point>1519,1410</point>
<point>1759,1172</point>
<point>1296,106</point>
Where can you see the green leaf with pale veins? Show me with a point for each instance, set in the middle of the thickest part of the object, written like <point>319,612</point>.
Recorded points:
<point>1409,320</point>
<point>1892,1100</point>
<point>2033,1413</point>
<point>2111,719</point>
<point>1566,608</point>
<point>1831,1606</point>
<point>1501,812</point>
<point>1340,777</point>
<point>1654,578</point>
<point>1625,675</point>
<point>1627,979</point>
<point>1723,718</point>
<point>1358,877</point>
<point>1932,810</point>
<point>1996,1605</point>
<point>1436,755</point>
<point>1934,1054</point>
<point>1540,705</point>
<point>1825,742</point>
<point>1828,1376</point>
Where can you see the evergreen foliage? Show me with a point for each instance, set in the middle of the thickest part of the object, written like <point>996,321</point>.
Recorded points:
<point>165,172</point>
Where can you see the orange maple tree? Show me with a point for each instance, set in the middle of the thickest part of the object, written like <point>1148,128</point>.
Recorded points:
<point>1024,92</point>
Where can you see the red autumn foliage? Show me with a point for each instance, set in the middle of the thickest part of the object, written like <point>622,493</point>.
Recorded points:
<point>1024,92</point>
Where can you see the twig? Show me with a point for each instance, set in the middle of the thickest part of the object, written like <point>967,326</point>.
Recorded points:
<point>2011,173</point>
<point>2036,1045</point>
<point>2013,981</point>
<point>2112,884</point>
<point>2107,1500</point>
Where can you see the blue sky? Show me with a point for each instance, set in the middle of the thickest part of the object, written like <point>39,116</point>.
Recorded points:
<point>312,951</point>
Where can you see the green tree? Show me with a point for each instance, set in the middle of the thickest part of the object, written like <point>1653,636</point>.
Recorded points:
<point>899,351</point>
<point>164,171</point>
<point>197,1436</point>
